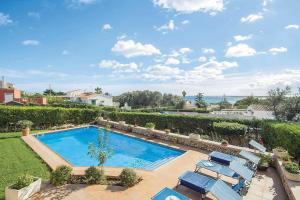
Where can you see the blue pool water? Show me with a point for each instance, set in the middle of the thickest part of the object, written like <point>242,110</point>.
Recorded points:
<point>72,145</point>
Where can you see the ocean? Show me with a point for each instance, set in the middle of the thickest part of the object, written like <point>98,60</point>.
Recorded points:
<point>216,99</point>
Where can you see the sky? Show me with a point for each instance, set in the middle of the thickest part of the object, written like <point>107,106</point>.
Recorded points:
<point>232,47</point>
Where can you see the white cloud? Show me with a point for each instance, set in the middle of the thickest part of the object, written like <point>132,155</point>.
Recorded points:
<point>276,51</point>
<point>106,27</point>
<point>240,50</point>
<point>170,26</point>
<point>65,52</point>
<point>161,72</point>
<point>121,37</point>
<point>34,14</point>
<point>208,50</point>
<point>242,37</point>
<point>252,18</point>
<point>210,70</point>
<point>202,59</point>
<point>31,42</point>
<point>130,48</point>
<point>79,3</point>
<point>185,50</point>
<point>5,19</point>
<point>185,22</point>
<point>172,61</point>
<point>292,26</point>
<point>190,6</point>
<point>266,2</point>
<point>119,67</point>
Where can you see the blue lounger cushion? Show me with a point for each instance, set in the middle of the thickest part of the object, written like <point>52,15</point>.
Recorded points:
<point>167,192</point>
<point>196,182</point>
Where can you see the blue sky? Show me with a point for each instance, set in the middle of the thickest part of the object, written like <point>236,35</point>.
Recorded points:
<point>233,47</point>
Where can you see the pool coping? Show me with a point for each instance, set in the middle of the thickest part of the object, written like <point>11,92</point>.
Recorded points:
<point>53,159</point>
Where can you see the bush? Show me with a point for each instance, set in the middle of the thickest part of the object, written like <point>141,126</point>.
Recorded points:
<point>44,117</point>
<point>176,123</point>
<point>24,124</point>
<point>94,176</point>
<point>150,125</point>
<point>291,167</point>
<point>61,175</point>
<point>286,135</point>
<point>23,181</point>
<point>128,177</point>
<point>229,128</point>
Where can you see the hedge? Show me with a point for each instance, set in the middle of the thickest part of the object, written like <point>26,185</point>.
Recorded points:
<point>44,117</point>
<point>183,124</point>
<point>286,135</point>
<point>230,128</point>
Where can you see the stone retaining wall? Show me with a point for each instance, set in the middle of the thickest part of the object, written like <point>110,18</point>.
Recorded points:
<point>206,145</point>
<point>284,180</point>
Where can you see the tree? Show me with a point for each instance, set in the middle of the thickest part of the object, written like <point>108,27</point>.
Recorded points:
<point>200,103</point>
<point>224,103</point>
<point>290,110</point>
<point>183,93</point>
<point>98,90</point>
<point>49,92</point>
<point>276,98</point>
<point>247,101</point>
<point>100,150</point>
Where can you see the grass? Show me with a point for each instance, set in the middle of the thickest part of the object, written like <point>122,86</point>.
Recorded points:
<point>16,159</point>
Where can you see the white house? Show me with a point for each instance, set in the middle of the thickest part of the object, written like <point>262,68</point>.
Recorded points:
<point>90,98</point>
<point>260,112</point>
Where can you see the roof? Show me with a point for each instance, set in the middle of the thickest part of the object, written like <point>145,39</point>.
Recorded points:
<point>88,95</point>
<point>259,107</point>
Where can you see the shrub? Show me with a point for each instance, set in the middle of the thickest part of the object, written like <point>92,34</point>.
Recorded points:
<point>291,167</point>
<point>281,149</point>
<point>44,117</point>
<point>224,142</point>
<point>94,176</point>
<point>128,177</point>
<point>23,181</point>
<point>24,124</point>
<point>61,175</point>
<point>150,125</point>
<point>286,135</point>
<point>229,128</point>
<point>184,124</point>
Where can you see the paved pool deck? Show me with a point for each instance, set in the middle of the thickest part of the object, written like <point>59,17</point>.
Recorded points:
<point>265,186</point>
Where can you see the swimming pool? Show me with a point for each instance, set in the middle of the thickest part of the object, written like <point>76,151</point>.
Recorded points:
<point>72,145</point>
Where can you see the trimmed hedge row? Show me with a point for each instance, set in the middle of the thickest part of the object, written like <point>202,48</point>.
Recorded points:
<point>183,124</point>
<point>286,135</point>
<point>44,117</point>
<point>230,128</point>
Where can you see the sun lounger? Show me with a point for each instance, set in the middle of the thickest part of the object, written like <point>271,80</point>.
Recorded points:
<point>242,170</point>
<point>204,184</point>
<point>253,159</point>
<point>257,146</point>
<point>169,194</point>
<point>224,158</point>
<point>215,167</point>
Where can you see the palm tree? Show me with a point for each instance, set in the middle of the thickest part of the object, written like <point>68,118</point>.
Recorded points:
<point>98,90</point>
<point>200,103</point>
<point>183,93</point>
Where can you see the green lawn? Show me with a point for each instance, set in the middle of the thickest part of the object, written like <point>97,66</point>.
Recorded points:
<point>16,158</point>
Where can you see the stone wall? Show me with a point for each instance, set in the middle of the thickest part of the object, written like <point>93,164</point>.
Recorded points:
<point>284,180</point>
<point>206,145</point>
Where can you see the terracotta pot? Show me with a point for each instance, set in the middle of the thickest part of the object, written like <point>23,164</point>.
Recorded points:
<point>25,131</point>
<point>290,176</point>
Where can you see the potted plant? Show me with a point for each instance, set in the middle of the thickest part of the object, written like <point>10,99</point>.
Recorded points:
<point>25,187</point>
<point>194,136</point>
<point>291,171</point>
<point>224,143</point>
<point>280,152</point>
<point>150,125</point>
<point>167,131</point>
<point>25,125</point>
<point>264,162</point>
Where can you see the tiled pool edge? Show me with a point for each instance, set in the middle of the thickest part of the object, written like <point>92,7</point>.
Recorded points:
<point>53,160</point>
